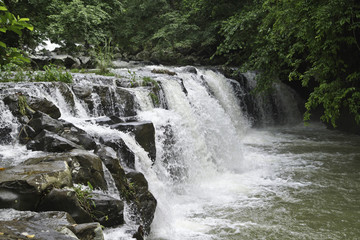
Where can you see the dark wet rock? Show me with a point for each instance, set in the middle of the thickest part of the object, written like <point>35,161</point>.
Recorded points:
<point>27,229</point>
<point>67,201</point>
<point>112,163</point>
<point>62,128</point>
<point>46,225</point>
<point>123,152</point>
<point>45,106</point>
<point>79,137</point>
<point>88,231</point>
<point>144,133</point>
<point>86,167</point>
<point>12,102</point>
<point>22,186</point>
<point>43,121</point>
<point>51,142</point>
<point>146,202</point>
<point>114,101</point>
<point>50,225</point>
<point>82,91</point>
<point>163,71</point>
<point>107,210</point>
<point>190,69</point>
<point>108,120</point>
<point>5,137</point>
<point>139,234</point>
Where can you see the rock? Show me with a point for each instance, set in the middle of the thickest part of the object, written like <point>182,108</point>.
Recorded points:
<point>45,106</point>
<point>88,231</point>
<point>5,137</point>
<point>45,226</point>
<point>86,167</point>
<point>107,210</point>
<point>82,91</point>
<point>139,235</point>
<point>28,229</point>
<point>67,201</point>
<point>112,163</point>
<point>144,133</point>
<point>22,186</point>
<point>163,71</point>
<point>123,152</point>
<point>146,202</point>
<point>62,128</point>
<point>51,142</point>
<point>43,121</point>
<point>108,120</point>
<point>115,101</point>
<point>190,69</point>
<point>79,137</point>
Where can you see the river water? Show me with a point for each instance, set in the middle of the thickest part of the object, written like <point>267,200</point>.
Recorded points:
<point>298,183</point>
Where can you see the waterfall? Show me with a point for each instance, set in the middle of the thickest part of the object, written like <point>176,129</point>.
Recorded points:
<point>200,124</point>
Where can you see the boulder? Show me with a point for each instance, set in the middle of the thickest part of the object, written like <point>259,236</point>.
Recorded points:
<point>43,121</point>
<point>51,142</point>
<point>5,137</point>
<point>112,163</point>
<point>123,152</point>
<point>146,202</point>
<point>107,210</point>
<point>45,106</point>
<point>65,200</point>
<point>45,226</point>
<point>88,231</point>
<point>114,101</point>
<point>62,128</point>
<point>22,186</point>
<point>82,91</point>
<point>86,167</point>
<point>144,133</point>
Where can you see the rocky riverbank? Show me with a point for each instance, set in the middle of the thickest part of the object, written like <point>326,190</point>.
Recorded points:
<point>66,186</point>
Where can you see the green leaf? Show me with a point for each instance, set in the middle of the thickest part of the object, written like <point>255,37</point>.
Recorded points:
<point>2,44</point>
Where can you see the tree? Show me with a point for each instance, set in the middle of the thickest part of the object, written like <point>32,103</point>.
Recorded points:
<point>315,42</point>
<point>8,22</point>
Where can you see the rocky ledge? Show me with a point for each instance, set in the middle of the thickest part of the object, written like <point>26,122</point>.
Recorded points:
<point>61,195</point>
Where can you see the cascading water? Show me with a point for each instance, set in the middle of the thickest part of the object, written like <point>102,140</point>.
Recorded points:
<point>214,177</point>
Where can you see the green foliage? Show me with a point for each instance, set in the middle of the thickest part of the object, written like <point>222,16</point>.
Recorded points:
<point>10,23</point>
<point>103,56</point>
<point>313,42</point>
<point>77,22</point>
<point>84,195</point>
<point>51,73</point>
<point>133,78</point>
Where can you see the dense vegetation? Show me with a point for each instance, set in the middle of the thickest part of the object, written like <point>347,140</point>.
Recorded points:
<point>311,42</point>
